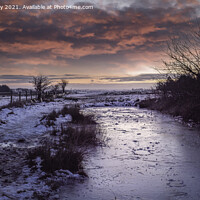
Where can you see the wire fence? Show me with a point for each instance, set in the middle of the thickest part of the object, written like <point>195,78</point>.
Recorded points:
<point>27,95</point>
<point>19,96</point>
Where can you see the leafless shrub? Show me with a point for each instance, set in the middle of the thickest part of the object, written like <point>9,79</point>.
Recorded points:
<point>63,158</point>
<point>41,84</point>
<point>63,84</point>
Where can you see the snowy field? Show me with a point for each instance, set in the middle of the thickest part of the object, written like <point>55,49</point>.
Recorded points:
<point>143,158</point>
<point>5,100</point>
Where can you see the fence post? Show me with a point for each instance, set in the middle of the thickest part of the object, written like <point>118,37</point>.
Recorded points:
<point>26,95</point>
<point>11,97</point>
<point>31,94</point>
<point>19,96</point>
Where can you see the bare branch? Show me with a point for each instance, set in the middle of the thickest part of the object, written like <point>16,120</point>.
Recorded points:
<point>40,83</point>
<point>63,84</point>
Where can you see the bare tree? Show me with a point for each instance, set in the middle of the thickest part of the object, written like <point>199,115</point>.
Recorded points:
<point>40,83</point>
<point>182,65</point>
<point>55,88</point>
<point>63,84</point>
<point>183,52</point>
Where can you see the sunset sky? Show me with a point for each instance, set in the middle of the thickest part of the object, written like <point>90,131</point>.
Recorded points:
<point>116,44</point>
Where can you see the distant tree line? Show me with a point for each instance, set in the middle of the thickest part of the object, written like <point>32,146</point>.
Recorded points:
<point>4,88</point>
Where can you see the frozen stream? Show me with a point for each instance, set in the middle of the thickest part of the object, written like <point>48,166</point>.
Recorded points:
<point>148,156</point>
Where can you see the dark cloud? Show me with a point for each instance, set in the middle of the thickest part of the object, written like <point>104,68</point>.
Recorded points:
<point>142,77</point>
<point>91,42</point>
<point>26,79</point>
<point>20,77</point>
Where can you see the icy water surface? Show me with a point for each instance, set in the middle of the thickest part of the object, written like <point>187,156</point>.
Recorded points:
<point>147,156</point>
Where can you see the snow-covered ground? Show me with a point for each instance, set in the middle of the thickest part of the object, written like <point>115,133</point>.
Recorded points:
<point>21,129</point>
<point>5,100</point>
<point>24,123</point>
<point>102,98</point>
<point>148,155</point>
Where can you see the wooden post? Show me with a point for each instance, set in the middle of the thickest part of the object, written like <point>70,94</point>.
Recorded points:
<point>11,97</point>
<point>26,96</point>
<point>19,96</point>
<point>31,95</point>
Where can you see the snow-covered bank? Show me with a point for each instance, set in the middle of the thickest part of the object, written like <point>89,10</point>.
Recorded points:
<point>186,112</point>
<point>24,123</point>
<point>20,130</point>
<point>4,100</point>
<point>19,181</point>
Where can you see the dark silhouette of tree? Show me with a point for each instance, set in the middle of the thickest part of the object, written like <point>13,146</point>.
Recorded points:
<point>183,53</point>
<point>180,92</point>
<point>55,88</point>
<point>182,65</point>
<point>63,84</point>
<point>4,88</point>
<point>40,83</point>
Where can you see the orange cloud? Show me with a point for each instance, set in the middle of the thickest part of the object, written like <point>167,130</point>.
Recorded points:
<point>90,41</point>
